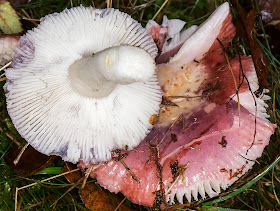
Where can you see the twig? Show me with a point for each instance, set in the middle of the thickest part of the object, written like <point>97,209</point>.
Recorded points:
<point>234,80</point>
<point>29,17</point>
<point>168,130</point>
<point>109,3</point>
<point>131,173</point>
<point>202,17</point>
<point>35,183</point>
<point>235,84</point>
<point>5,66</point>
<point>186,96</point>
<point>141,6</point>
<point>160,193</point>
<point>120,204</point>
<point>160,9</point>
<point>169,189</point>
<point>181,171</point>
<point>16,199</point>
<point>20,154</point>
<point>50,178</point>
<point>273,104</point>
<point>71,188</point>
<point>92,168</point>
<point>11,137</point>
<point>254,98</point>
<point>129,4</point>
<point>30,206</point>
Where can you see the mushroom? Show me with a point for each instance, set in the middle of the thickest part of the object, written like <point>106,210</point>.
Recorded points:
<point>169,36</point>
<point>83,83</point>
<point>7,44</point>
<point>204,142</point>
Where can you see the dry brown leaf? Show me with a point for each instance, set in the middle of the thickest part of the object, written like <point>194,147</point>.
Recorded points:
<point>31,161</point>
<point>94,197</point>
<point>247,21</point>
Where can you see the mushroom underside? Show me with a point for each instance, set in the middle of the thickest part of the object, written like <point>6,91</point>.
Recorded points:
<point>54,93</point>
<point>205,139</point>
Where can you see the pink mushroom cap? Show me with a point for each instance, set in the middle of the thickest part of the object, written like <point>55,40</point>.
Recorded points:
<point>205,139</point>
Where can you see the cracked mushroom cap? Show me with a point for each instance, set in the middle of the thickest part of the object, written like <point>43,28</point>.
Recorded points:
<point>83,83</point>
<point>205,142</point>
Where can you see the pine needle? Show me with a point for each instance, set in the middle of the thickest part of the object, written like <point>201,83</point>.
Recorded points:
<point>92,168</point>
<point>20,154</point>
<point>5,66</point>
<point>160,9</point>
<point>35,183</point>
<point>120,204</point>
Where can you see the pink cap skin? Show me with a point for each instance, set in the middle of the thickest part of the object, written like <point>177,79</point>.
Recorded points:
<point>207,141</point>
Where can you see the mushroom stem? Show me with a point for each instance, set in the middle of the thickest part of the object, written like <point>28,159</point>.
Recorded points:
<point>98,75</point>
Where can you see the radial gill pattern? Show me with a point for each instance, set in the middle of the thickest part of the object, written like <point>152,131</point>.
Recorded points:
<point>50,115</point>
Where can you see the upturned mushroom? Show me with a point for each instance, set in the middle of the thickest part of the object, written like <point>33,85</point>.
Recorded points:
<point>83,83</point>
<point>206,138</point>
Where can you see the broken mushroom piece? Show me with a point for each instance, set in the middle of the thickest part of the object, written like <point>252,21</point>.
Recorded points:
<point>83,83</point>
<point>169,37</point>
<point>7,44</point>
<point>204,141</point>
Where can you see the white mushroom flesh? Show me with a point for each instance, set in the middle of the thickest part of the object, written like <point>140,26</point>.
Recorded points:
<point>53,90</point>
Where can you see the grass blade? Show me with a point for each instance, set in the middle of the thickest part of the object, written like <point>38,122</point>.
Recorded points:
<point>50,170</point>
<point>210,208</point>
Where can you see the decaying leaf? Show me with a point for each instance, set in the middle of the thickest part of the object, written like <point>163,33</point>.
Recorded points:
<point>94,197</point>
<point>29,163</point>
<point>260,61</point>
<point>9,20</point>
<point>74,176</point>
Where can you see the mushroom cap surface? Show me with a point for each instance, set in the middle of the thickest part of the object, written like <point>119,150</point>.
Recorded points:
<point>203,143</point>
<point>55,119</point>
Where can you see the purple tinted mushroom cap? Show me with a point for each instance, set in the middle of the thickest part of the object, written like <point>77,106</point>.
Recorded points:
<point>203,141</point>
<point>83,83</point>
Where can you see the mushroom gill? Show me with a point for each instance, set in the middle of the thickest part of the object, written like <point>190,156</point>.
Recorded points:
<point>203,141</point>
<point>83,83</point>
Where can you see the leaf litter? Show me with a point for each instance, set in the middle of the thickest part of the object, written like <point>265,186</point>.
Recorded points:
<point>93,196</point>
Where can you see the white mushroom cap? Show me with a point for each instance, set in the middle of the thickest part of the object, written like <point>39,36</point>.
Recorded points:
<point>55,97</point>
